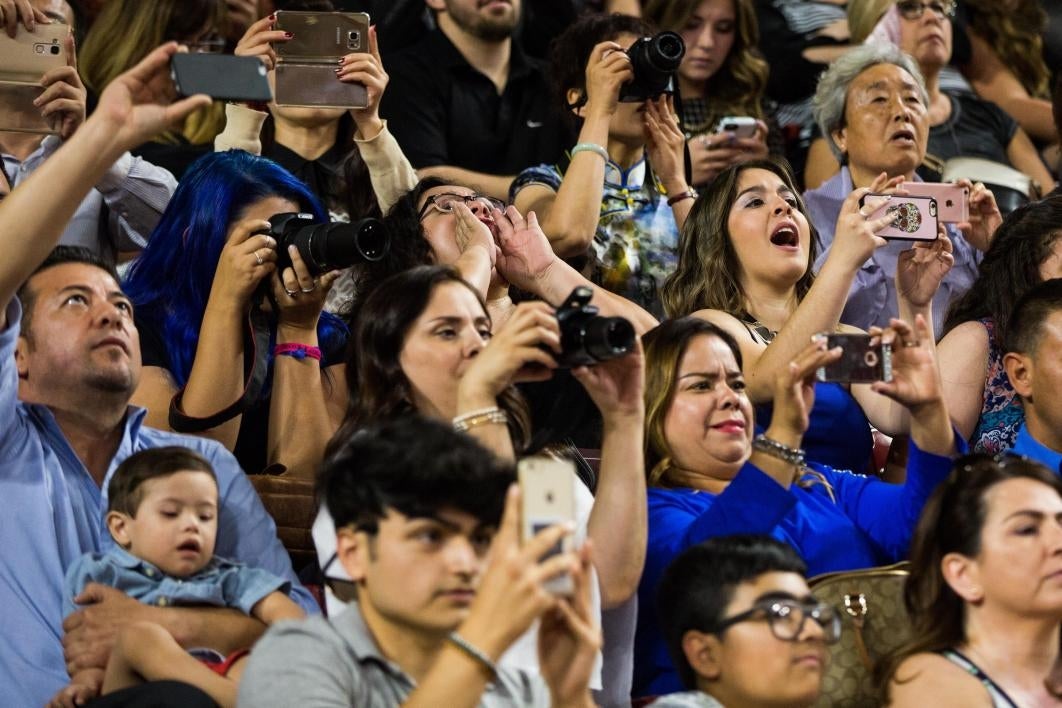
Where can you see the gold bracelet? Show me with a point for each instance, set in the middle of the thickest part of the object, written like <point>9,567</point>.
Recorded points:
<point>464,423</point>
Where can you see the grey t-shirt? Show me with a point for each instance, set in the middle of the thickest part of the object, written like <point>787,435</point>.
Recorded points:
<point>335,662</point>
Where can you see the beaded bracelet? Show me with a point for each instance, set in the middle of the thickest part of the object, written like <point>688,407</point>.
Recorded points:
<point>472,651</point>
<point>590,147</point>
<point>793,455</point>
<point>465,422</point>
<point>297,351</point>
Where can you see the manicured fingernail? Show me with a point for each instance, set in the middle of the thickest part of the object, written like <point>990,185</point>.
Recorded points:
<point>289,35</point>
<point>292,249</point>
<point>337,70</point>
<point>273,16</point>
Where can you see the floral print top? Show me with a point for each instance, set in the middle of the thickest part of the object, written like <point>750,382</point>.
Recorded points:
<point>1001,412</point>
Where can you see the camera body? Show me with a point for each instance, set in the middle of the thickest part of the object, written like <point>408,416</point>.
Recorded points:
<point>328,246</point>
<point>654,61</point>
<point>587,338</point>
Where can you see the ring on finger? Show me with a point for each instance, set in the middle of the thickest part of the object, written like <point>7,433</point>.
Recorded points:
<point>258,258</point>
<point>313,286</point>
<point>910,344</point>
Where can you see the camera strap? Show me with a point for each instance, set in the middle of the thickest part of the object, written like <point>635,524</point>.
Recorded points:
<point>258,333</point>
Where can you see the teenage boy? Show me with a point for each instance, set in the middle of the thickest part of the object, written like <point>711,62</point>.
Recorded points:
<point>417,508</point>
<point>1033,360</point>
<point>742,626</point>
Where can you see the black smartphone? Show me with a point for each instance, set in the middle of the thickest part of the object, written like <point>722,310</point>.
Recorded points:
<point>860,362</point>
<point>220,76</point>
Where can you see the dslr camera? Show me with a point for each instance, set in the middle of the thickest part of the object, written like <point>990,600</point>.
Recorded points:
<point>587,338</point>
<point>654,61</point>
<point>328,246</point>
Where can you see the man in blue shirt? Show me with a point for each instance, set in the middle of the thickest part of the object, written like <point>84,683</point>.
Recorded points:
<point>70,352</point>
<point>1033,359</point>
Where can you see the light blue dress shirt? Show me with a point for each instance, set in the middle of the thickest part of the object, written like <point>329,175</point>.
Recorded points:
<point>1026,444</point>
<point>52,511</point>
<point>222,583</point>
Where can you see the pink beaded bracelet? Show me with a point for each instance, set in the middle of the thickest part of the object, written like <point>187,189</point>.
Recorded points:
<point>299,351</point>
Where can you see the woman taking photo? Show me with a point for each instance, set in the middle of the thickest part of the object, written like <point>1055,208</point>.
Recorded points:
<point>985,591</point>
<point>722,74</point>
<point>618,204</point>
<point>423,345</point>
<point>745,265</point>
<point>207,264</point>
<point>710,476</point>
<point>872,107</point>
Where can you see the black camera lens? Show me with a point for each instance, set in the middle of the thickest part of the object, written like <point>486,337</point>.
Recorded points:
<point>654,61</point>
<point>55,49</point>
<point>588,338</point>
<point>329,246</point>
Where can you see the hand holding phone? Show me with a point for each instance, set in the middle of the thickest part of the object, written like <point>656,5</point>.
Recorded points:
<point>547,490</point>
<point>913,218</point>
<point>740,126</point>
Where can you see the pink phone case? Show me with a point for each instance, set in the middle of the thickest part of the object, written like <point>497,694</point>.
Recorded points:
<point>914,218</point>
<point>953,202</point>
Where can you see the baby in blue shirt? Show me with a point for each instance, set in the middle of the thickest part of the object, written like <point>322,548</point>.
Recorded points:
<point>163,516</point>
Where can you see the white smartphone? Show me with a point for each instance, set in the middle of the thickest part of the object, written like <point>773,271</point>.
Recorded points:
<point>547,491</point>
<point>740,126</point>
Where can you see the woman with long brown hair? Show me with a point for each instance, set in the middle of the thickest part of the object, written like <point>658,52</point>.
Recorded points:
<point>985,590</point>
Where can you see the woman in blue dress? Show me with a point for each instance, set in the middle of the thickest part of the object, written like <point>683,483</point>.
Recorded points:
<point>745,264</point>
<point>709,476</point>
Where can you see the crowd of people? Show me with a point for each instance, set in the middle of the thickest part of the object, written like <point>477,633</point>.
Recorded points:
<point>647,331</point>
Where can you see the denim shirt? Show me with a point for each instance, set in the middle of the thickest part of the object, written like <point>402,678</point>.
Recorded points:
<point>53,512</point>
<point>222,583</point>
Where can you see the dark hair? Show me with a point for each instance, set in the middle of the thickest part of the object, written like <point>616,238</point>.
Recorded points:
<point>409,248</point>
<point>707,273</point>
<point>379,389</point>
<point>171,280</point>
<point>415,466</point>
<point>570,52</point>
<point>1056,105</point>
<point>699,584</point>
<point>59,256</point>
<point>665,345</point>
<point>1026,322</point>
<point>1010,266</point>
<point>951,522</point>
<point>125,491</point>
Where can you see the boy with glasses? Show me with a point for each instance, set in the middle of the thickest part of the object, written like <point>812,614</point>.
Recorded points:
<point>742,626</point>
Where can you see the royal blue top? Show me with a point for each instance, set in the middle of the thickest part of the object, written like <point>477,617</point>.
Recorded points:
<point>1027,445</point>
<point>869,524</point>
<point>838,434</point>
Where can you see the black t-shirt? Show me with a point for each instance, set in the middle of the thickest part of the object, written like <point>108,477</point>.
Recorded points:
<point>253,438</point>
<point>976,128</point>
<point>442,111</point>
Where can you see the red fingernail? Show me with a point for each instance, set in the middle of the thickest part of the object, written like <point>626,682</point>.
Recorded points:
<point>273,16</point>
<point>289,35</point>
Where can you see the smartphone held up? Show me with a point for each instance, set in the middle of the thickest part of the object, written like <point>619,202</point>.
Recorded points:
<point>306,63</point>
<point>913,218</point>
<point>864,359</point>
<point>547,493</point>
<point>24,60</point>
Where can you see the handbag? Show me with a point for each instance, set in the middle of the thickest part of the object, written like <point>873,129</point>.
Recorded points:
<point>873,623</point>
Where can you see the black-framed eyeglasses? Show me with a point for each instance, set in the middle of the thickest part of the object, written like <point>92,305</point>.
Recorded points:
<point>786,618</point>
<point>914,9</point>
<point>445,202</point>
<point>344,589</point>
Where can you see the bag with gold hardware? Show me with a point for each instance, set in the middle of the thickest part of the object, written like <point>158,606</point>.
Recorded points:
<point>874,622</point>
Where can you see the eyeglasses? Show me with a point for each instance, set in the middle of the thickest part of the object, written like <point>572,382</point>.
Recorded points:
<point>446,201</point>
<point>914,9</point>
<point>786,619</point>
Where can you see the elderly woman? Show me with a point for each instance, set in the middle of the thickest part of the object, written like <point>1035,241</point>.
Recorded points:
<point>961,124</point>
<point>873,106</point>
<point>985,592</point>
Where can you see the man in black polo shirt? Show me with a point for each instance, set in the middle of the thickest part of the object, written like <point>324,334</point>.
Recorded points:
<point>468,103</point>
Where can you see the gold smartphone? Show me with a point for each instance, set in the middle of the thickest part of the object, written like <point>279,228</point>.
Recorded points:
<point>30,55</point>
<point>547,493</point>
<point>321,35</point>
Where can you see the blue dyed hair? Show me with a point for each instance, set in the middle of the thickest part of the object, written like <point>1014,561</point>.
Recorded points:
<point>170,282</point>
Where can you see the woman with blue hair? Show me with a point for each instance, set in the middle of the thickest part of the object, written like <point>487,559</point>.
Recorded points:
<point>209,262</point>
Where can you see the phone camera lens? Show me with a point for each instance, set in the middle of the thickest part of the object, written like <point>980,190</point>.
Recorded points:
<point>39,49</point>
<point>870,358</point>
<point>55,50</point>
